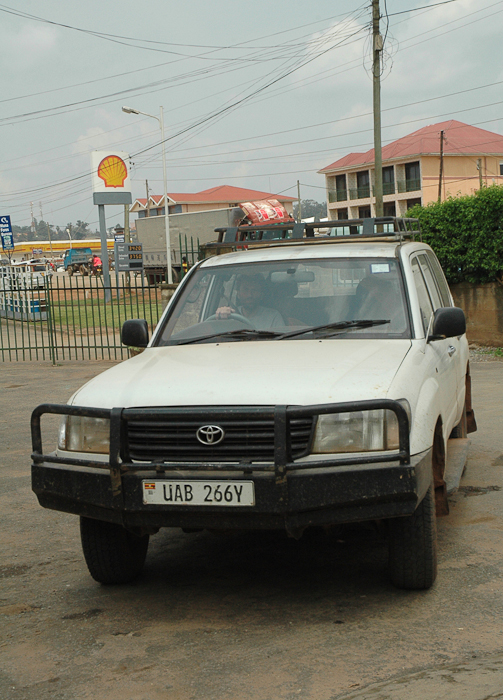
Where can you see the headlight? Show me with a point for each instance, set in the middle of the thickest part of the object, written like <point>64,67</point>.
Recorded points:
<point>359,431</point>
<point>84,434</point>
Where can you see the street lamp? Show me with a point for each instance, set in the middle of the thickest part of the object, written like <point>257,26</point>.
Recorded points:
<point>160,119</point>
<point>69,232</point>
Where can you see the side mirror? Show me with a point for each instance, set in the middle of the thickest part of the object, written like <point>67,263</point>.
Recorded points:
<point>448,322</point>
<point>135,333</point>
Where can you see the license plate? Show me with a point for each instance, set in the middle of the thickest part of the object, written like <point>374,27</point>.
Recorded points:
<point>199,493</point>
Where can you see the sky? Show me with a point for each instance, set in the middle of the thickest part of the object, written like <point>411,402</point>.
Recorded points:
<point>255,95</point>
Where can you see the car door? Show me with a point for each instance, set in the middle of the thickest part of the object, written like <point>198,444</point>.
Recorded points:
<point>435,281</point>
<point>440,353</point>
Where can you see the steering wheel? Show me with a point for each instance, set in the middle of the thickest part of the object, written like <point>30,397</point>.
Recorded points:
<point>230,317</point>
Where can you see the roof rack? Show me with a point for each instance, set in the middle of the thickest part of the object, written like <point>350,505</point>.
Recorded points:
<point>340,230</point>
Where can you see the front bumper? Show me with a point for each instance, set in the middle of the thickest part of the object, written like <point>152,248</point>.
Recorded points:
<point>288,495</point>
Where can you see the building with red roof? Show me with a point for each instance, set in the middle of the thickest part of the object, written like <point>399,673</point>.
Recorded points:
<point>220,197</point>
<point>472,158</point>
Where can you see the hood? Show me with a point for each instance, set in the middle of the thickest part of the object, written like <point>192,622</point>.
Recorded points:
<point>299,372</point>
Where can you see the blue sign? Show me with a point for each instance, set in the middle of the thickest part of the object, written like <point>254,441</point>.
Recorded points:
<point>6,233</point>
<point>5,226</point>
<point>7,241</point>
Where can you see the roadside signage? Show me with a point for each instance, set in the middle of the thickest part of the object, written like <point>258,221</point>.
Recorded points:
<point>128,257</point>
<point>110,177</point>
<point>6,233</point>
<point>37,251</point>
<point>119,238</point>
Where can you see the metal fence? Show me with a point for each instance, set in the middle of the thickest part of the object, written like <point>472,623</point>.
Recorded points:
<point>68,319</point>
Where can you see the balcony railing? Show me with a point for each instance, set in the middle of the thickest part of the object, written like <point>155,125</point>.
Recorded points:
<point>387,188</point>
<point>337,195</point>
<point>359,192</point>
<point>412,185</point>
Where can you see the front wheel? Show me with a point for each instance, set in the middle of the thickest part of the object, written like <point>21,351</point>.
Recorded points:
<point>112,553</point>
<point>413,547</point>
<point>69,269</point>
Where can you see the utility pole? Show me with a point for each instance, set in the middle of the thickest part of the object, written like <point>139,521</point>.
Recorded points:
<point>127,235</point>
<point>50,239</point>
<point>479,168</point>
<point>377,46</point>
<point>32,227</point>
<point>441,171</point>
<point>299,213</point>
<point>148,199</point>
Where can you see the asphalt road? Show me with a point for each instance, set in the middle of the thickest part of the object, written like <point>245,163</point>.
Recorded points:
<point>249,616</point>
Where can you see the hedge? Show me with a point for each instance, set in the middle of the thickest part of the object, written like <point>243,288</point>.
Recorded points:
<point>466,233</point>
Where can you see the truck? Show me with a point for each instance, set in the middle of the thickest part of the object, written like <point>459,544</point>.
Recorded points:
<point>187,232</point>
<point>303,382</point>
<point>77,260</point>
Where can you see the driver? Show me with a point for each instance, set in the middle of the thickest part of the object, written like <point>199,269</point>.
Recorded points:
<point>250,293</point>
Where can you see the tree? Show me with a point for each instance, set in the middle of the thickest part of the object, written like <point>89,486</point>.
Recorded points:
<point>466,234</point>
<point>311,208</point>
<point>81,230</point>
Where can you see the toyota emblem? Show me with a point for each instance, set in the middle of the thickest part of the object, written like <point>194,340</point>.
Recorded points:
<point>210,434</point>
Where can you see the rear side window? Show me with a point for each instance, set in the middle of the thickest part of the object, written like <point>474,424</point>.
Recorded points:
<point>422,294</point>
<point>440,278</point>
<point>430,282</point>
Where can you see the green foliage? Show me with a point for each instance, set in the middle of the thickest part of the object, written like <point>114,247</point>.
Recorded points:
<point>311,208</point>
<point>466,233</point>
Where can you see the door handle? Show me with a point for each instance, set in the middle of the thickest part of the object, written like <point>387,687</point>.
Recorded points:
<point>451,350</point>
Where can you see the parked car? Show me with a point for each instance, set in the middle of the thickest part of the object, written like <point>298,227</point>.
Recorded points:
<point>301,382</point>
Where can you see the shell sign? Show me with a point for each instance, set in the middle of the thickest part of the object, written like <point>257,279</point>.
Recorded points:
<point>110,171</point>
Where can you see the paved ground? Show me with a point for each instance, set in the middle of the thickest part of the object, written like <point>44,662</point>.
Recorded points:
<point>248,616</point>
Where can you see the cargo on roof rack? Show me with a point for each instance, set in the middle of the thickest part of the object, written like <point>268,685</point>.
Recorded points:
<point>231,238</point>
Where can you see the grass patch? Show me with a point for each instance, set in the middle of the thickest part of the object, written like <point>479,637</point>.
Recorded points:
<point>94,313</point>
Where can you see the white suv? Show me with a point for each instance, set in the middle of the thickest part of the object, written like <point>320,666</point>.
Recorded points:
<point>294,383</point>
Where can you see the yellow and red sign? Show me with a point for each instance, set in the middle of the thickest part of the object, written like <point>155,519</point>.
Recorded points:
<point>110,171</point>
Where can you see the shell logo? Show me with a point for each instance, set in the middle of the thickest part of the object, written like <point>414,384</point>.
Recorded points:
<point>113,171</point>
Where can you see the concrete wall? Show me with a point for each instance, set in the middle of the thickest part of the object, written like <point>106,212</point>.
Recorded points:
<point>483,307</point>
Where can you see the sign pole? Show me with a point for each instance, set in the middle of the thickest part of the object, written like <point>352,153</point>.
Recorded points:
<point>110,186</point>
<point>104,253</point>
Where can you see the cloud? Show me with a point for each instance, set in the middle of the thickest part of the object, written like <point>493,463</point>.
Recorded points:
<point>27,47</point>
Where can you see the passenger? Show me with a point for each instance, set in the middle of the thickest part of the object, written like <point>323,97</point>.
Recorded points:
<point>250,293</point>
<point>378,299</point>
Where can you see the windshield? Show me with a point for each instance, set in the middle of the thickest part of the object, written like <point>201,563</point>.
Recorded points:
<point>290,300</point>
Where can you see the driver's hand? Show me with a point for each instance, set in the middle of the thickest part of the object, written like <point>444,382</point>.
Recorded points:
<point>224,312</point>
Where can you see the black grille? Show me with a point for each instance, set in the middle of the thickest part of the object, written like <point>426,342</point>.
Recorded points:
<point>172,438</point>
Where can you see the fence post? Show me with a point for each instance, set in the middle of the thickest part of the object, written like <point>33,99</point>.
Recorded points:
<point>48,302</point>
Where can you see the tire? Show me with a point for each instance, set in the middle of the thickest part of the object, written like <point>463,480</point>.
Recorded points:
<point>83,270</point>
<point>413,547</point>
<point>69,269</point>
<point>112,554</point>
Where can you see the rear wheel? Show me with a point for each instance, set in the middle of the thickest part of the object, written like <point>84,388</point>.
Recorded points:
<point>112,553</point>
<point>69,269</point>
<point>413,546</point>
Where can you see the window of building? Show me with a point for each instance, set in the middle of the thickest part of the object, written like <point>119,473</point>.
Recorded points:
<point>364,212</point>
<point>388,180</point>
<point>340,188</point>
<point>412,202</point>
<point>342,213</point>
<point>363,184</point>
<point>142,214</point>
<point>389,209</point>
<point>412,177</point>
<point>501,167</point>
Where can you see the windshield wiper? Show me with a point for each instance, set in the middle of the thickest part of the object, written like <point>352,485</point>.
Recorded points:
<point>240,334</point>
<point>339,326</point>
